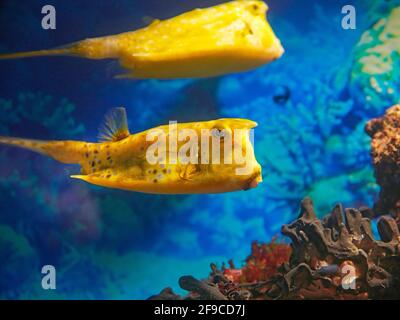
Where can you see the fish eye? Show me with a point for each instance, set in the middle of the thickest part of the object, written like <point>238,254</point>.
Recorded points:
<point>255,8</point>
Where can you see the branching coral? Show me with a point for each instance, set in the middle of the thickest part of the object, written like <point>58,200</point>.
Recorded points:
<point>322,249</point>
<point>333,258</point>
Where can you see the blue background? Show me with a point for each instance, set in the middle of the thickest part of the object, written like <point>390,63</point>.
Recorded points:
<point>111,244</point>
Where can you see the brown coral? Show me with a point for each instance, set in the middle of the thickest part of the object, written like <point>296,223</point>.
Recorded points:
<point>385,151</point>
<point>333,258</point>
<point>322,250</point>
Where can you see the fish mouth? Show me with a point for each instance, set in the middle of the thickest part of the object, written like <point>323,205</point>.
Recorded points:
<point>254,181</point>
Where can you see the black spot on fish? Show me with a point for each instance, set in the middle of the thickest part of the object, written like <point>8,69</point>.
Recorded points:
<point>93,163</point>
<point>164,171</point>
<point>155,180</point>
<point>95,151</point>
<point>155,171</point>
<point>282,94</point>
<point>87,154</point>
<point>108,176</point>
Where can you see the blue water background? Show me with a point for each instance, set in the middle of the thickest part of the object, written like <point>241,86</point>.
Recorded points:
<point>112,244</point>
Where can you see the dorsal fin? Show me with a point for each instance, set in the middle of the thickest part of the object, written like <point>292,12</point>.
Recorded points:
<point>115,126</point>
<point>149,21</point>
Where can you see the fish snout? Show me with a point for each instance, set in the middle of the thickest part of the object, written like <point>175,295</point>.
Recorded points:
<point>255,180</point>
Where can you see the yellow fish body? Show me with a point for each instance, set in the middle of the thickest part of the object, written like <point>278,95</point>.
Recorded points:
<point>223,39</point>
<point>121,161</point>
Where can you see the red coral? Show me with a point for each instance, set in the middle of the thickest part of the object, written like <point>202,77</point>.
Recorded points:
<point>261,264</point>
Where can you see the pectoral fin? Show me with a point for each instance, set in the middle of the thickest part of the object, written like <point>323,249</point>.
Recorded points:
<point>189,171</point>
<point>106,179</point>
<point>101,178</point>
<point>149,21</point>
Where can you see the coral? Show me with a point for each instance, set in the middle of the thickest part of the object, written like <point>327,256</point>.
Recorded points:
<point>261,264</point>
<point>375,72</point>
<point>322,248</point>
<point>333,258</point>
<point>385,151</point>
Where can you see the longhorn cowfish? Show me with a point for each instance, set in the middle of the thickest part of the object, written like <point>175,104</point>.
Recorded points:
<point>121,160</point>
<point>227,38</point>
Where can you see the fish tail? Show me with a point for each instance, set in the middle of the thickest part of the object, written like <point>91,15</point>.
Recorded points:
<point>39,53</point>
<point>94,48</point>
<point>62,151</point>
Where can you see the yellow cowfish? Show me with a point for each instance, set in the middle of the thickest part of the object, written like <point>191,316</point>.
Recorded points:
<point>227,38</point>
<point>138,162</point>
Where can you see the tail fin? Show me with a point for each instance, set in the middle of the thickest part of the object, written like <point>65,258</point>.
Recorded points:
<point>63,151</point>
<point>39,53</point>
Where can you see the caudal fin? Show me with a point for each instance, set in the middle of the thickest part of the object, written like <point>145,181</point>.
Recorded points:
<point>39,53</point>
<point>63,151</point>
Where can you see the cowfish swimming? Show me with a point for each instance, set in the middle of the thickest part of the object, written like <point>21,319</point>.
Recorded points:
<point>227,38</point>
<point>121,160</point>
